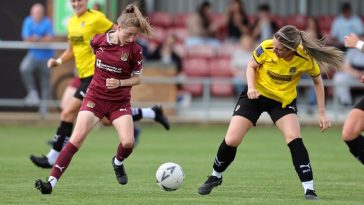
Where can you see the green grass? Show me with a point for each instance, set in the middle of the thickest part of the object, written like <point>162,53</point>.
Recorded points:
<point>262,172</point>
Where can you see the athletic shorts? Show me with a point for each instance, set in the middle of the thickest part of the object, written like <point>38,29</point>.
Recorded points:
<point>105,108</point>
<point>253,108</point>
<point>75,82</point>
<point>82,88</point>
<point>360,104</point>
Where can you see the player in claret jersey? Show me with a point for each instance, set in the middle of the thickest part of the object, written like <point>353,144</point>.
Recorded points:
<point>118,67</point>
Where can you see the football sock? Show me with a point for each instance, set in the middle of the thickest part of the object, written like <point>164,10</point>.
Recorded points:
<point>307,185</point>
<point>356,148</point>
<point>148,113</point>
<point>53,181</point>
<point>136,113</point>
<point>216,174</point>
<point>63,160</point>
<point>117,162</point>
<point>225,155</point>
<point>123,153</point>
<point>64,131</point>
<point>52,156</point>
<point>301,160</point>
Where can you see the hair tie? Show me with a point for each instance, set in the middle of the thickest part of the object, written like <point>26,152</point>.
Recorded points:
<point>130,9</point>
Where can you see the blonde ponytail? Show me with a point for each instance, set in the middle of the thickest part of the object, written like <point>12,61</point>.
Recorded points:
<point>291,37</point>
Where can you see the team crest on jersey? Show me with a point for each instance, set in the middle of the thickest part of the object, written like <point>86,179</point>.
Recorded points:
<point>259,51</point>
<point>90,104</point>
<point>124,56</point>
<point>292,70</point>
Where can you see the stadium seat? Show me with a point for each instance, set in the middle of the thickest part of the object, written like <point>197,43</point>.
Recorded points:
<point>194,89</point>
<point>220,67</point>
<point>159,34</point>
<point>325,22</point>
<point>280,21</point>
<point>180,32</point>
<point>180,19</point>
<point>195,67</point>
<point>222,89</point>
<point>297,20</point>
<point>161,19</point>
<point>201,51</point>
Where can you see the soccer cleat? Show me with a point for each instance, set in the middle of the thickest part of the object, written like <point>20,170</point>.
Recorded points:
<point>311,195</point>
<point>41,161</point>
<point>160,117</point>
<point>43,187</point>
<point>210,183</point>
<point>120,173</point>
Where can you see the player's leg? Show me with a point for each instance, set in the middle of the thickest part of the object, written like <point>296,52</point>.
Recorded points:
<point>86,120</point>
<point>352,129</point>
<point>290,128</point>
<point>226,152</point>
<point>154,113</point>
<point>246,113</point>
<point>62,135</point>
<point>125,129</point>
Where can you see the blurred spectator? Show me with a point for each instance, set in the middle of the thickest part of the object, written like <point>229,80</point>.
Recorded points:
<point>201,27</point>
<point>97,6</point>
<point>36,28</point>
<point>345,24</point>
<point>239,61</point>
<point>264,27</point>
<point>236,20</point>
<point>166,52</point>
<point>352,71</point>
<point>312,28</point>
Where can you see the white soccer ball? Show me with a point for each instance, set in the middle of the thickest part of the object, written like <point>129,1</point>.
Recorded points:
<point>169,176</point>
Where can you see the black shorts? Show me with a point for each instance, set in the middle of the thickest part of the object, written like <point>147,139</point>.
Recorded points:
<point>253,108</point>
<point>360,104</point>
<point>81,90</point>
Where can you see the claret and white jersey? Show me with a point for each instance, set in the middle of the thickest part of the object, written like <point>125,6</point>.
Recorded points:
<point>114,61</point>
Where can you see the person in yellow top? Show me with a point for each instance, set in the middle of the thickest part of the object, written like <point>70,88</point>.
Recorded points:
<point>272,77</point>
<point>82,27</point>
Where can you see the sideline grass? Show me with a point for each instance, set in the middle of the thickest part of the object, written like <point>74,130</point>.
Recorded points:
<point>262,172</point>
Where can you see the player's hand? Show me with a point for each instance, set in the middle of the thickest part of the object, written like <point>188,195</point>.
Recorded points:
<point>112,83</point>
<point>324,122</point>
<point>351,40</point>
<point>253,94</point>
<point>52,63</point>
<point>362,79</point>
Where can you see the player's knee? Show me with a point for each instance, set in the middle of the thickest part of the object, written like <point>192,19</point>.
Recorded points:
<point>349,134</point>
<point>68,115</point>
<point>129,143</point>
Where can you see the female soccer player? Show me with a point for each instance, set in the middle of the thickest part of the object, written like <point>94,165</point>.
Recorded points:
<point>81,28</point>
<point>354,123</point>
<point>272,77</point>
<point>118,67</point>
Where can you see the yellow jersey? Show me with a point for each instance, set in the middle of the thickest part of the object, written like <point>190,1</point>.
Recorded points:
<point>277,78</point>
<point>80,32</point>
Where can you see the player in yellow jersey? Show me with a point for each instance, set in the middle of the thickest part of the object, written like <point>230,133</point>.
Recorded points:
<point>81,29</point>
<point>272,77</point>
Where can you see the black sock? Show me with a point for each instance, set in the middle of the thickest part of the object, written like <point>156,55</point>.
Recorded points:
<point>301,160</point>
<point>137,115</point>
<point>64,132</point>
<point>225,155</point>
<point>356,148</point>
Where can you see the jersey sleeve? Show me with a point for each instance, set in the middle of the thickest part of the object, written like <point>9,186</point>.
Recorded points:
<point>137,59</point>
<point>103,23</point>
<point>259,53</point>
<point>26,31</point>
<point>95,42</point>
<point>315,71</point>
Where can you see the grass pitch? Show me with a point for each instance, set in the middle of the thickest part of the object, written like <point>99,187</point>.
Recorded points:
<point>262,172</point>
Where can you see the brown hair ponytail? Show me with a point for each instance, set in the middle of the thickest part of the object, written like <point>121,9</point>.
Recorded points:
<point>132,16</point>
